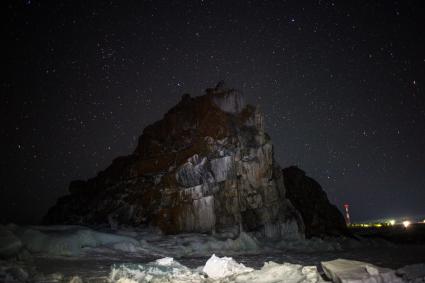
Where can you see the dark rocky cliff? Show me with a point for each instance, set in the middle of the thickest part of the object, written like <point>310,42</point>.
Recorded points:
<point>207,166</point>
<point>319,215</point>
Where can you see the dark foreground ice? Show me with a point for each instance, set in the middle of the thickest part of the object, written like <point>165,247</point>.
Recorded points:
<point>99,264</point>
<point>58,254</point>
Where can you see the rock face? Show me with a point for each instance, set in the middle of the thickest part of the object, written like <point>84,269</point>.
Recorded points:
<point>320,217</point>
<point>207,166</point>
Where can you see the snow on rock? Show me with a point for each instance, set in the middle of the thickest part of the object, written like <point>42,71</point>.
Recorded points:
<point>351,271</point>
<point>414,273</point>
<point>217,267</point>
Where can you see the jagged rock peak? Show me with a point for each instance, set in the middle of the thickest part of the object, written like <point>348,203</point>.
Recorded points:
<point>228,100</point>
<point>206,166</point>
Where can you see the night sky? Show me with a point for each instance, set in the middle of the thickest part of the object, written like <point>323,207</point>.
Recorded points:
<point>341,84</point>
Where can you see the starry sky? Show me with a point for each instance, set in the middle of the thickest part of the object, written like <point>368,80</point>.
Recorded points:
<point>341,85</point>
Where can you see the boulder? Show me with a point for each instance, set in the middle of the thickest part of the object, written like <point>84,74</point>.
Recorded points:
<point>352,271</point>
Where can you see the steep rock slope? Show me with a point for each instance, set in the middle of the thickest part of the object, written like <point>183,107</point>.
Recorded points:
<point>321,218</point>
<point>207,166</point>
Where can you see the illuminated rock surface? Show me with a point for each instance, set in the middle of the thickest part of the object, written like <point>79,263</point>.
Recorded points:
<point>207,166</point>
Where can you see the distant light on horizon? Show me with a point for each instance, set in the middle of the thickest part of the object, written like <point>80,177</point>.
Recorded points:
<point>406,223</point>
<point>392,222</point>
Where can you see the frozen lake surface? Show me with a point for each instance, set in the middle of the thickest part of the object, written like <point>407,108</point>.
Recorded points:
<point>58,253</point>
<point>98,264</point>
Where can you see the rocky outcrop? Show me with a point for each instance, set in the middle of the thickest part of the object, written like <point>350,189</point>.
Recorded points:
<point>207,166</point>
<point>320,217</point>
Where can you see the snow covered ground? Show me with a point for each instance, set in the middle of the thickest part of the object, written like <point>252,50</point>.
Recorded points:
<point>66,253</point>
